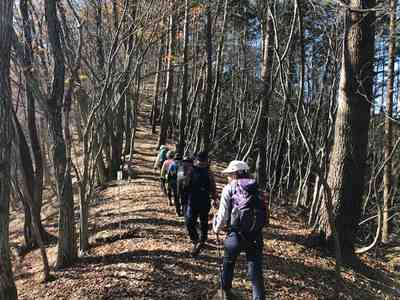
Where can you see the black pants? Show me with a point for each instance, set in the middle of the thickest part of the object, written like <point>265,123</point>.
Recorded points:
<point>234,244</point>
<point>162,185</point>
<point>192,215</point>
<point>183,200</point>
<point>172,192</point>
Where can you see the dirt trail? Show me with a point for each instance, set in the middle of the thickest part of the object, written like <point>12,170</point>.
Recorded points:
<point>140,250</point>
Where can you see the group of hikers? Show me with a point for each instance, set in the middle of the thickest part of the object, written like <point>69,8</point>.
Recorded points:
<point>189,185</point>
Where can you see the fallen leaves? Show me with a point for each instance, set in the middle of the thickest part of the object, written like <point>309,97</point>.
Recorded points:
<point>140,250</point>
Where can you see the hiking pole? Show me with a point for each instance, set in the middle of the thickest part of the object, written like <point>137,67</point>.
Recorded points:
<point>219,261</point>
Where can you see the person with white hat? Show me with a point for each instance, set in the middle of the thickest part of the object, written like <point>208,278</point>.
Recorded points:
<point>239,197</point>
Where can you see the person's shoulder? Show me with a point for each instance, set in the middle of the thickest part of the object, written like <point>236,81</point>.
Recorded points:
<point>228,188</point>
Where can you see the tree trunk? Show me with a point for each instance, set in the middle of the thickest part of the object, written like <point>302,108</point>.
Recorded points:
<point>206,118</point>
<point>7,287</point>
<point>67,251</point>
<point>84,220</point>
<point>35,177</point>
<point>166,114</point>
<point>387,175</point>
<point>349,152</point>
<point>116,138</point>
<point>219,64</point>
<point>155,110</point>
<point>32,233</point>
<point>261,131</point>
<point>183,111</point>
<point>100,59</point>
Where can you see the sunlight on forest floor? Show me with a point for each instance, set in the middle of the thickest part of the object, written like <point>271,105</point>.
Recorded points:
<point>140,250</point>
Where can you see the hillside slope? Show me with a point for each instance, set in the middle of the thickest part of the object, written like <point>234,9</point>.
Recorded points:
<point>140,250</point>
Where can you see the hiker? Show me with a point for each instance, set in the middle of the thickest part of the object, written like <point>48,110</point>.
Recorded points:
<point>201,187</point>
<point>163,174</point>
<point>183,178</point>
<point>161,157</point>
<point>171,177</point>
<point>242,210</point>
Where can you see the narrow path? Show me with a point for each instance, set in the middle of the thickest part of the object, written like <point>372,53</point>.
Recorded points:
<point>141,251</point>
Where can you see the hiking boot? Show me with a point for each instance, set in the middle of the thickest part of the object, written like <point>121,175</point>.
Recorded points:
<point>227,295</point>
<point>203,239</point>
<point>200,246</point>
<point>196,249</point>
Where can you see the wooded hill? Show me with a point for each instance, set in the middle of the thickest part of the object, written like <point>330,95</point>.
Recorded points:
<point>305,91</point>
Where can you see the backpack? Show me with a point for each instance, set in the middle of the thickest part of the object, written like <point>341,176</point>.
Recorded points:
<point>163,156</point>
<point>183,176</point>
<point>248,213</point>
<point>172,172</point>
<point>199,186</point>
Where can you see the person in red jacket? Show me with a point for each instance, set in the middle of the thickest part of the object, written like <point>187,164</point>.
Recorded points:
<point>163,174</point>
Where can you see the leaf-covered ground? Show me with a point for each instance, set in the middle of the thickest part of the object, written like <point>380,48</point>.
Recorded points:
<point>140,250</point>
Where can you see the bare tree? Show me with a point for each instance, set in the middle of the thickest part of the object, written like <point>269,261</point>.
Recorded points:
<point>206,117</point>
<point>266,76</point>
<point>349,153</point>
<point>184,98</point>
<point>67,250</point>
<point>7,287</point>
<point>166,114</point>
<point>33,166</point>
<point>388,142</point>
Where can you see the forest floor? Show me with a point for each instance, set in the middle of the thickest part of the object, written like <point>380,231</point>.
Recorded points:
<point>140,250</point>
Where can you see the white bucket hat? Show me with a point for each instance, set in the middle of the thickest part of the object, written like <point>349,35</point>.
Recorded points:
<point>235,166</point>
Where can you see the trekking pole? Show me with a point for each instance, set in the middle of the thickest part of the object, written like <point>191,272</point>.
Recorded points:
<point>219,265</point>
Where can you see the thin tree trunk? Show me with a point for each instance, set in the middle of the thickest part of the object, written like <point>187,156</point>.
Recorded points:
<point>220,57</point>
<point>166,114</point>
<point>206,118</point>
<point>101,168</point>
<point>261,166</point>
<point>155,110</point>
<point>35,237</point>
<point>67,251</point>
<point>387,177</point>
<point>135,114</point>
<point>183,111</point>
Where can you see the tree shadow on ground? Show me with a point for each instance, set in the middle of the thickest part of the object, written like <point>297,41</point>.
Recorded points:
<point>317,281</point>
<point>291,237</point>
<point>123,235</point>
<point>129,222</point>
<point>376,278</point>
<point>145,153</point>
<point>170,276</point>
<point>170,268</point>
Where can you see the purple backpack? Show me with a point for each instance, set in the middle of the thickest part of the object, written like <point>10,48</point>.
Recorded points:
<point>248,213</point>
